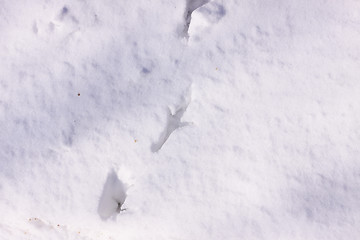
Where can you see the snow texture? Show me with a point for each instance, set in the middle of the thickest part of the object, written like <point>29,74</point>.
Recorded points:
<point>234,119</point>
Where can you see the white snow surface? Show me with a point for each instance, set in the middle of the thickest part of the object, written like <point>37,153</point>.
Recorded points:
<point>179,119</point>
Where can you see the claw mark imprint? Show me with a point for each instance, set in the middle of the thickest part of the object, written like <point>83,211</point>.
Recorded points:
<point>173,122</point>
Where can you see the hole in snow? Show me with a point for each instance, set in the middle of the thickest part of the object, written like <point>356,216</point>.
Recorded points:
<point>35,28</point>
<point>145,70</point>
<point>64,11</point>
<point>113,196</point>
<point>191,5</point>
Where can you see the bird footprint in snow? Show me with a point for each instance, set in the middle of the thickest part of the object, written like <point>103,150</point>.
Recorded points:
<point>173,122</point>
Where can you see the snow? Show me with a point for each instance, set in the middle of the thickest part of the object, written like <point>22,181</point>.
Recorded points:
<point>203,119</point>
